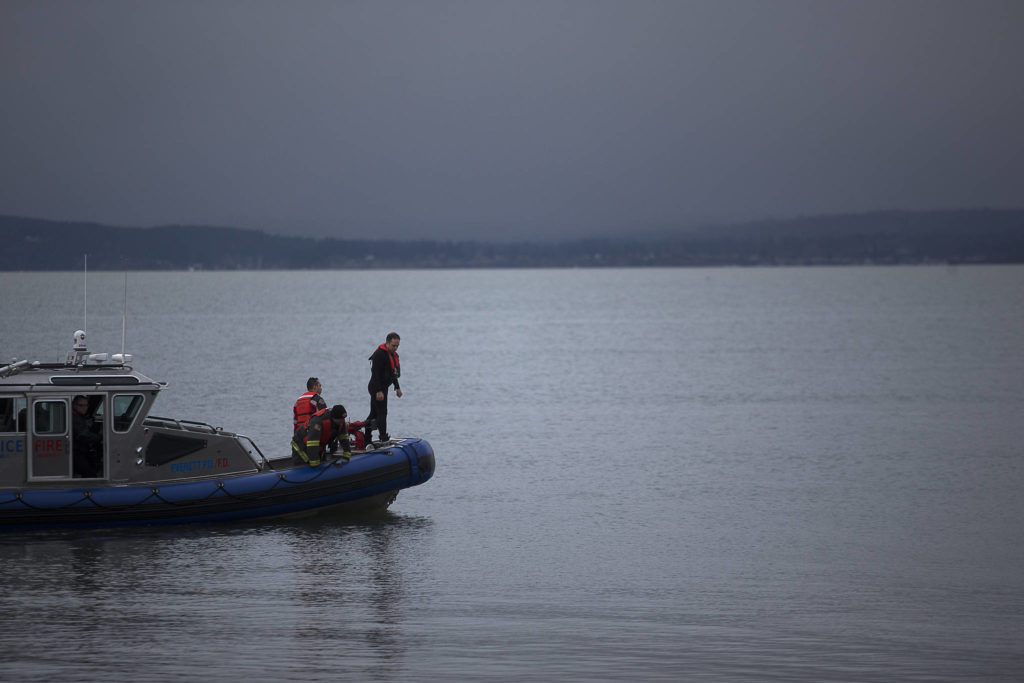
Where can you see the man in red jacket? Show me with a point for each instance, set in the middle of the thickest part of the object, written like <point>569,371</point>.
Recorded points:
<point>307,404</point>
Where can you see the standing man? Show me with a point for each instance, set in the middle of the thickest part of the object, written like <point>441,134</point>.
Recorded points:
<point>308,404</point>
<point>384,371</point>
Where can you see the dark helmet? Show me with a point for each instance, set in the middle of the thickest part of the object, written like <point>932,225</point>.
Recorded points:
<point>338,412</point>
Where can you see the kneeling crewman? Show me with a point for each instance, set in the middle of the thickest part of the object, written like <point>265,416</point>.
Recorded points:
<point>320,436</point>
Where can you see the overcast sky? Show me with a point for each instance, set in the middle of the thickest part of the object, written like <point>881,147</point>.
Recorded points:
<point>505,119</point>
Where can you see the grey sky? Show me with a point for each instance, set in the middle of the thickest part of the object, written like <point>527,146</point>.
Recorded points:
<point>513,119</point>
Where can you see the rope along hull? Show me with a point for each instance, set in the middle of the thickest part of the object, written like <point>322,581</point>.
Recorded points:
<point>369,480</point>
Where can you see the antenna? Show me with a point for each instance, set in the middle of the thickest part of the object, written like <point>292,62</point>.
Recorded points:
<point>124,313</point>
<point>85,296</point>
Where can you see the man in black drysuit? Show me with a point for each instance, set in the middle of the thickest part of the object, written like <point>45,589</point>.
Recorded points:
<point>384,371</point>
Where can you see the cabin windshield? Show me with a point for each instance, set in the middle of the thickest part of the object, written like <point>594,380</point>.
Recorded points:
<point>126,407</point>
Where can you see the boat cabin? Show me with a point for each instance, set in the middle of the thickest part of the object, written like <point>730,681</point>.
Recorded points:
<point>87,420</point>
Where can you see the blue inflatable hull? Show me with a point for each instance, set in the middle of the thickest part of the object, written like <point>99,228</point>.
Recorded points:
<point>367,481</point>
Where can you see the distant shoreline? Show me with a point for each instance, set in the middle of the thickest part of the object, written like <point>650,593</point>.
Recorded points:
<point>966,236</point>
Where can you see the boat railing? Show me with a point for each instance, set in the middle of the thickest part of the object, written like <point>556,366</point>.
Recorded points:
<point>262,463</point>
<point>186,425</point>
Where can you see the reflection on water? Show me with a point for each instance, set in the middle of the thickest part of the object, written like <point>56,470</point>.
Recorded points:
<point>349,586</point>
<point>333,591</point>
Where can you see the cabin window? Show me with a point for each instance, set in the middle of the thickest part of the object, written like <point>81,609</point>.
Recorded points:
<point>49,447</point>
<point>51,417</point>
<point>126,407</point>
<point>163,448</point>
<point>12,414</point>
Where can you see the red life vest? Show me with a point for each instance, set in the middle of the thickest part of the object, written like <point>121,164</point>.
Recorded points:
<point>396,369</point>
<point>303,410</point>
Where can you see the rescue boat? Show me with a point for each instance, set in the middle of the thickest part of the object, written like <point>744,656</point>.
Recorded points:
<point>137,468</point>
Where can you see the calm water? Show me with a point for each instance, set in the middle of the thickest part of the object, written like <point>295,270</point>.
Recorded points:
<point>721,474</point>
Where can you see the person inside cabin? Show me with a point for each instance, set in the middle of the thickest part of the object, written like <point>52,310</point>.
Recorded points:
<point>308,404</point>
<point>322,436</point>
<point>12,419</point>
<point>7,416</point>
<point>86,444</point>
<point>384,371</point>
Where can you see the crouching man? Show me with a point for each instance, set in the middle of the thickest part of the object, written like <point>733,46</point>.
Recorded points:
<point>321,436</point>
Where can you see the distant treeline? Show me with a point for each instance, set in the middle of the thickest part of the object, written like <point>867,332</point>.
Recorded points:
<point>892,237</point>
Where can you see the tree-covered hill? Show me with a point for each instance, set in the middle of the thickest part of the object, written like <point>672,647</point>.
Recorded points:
<point>893,237</point>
